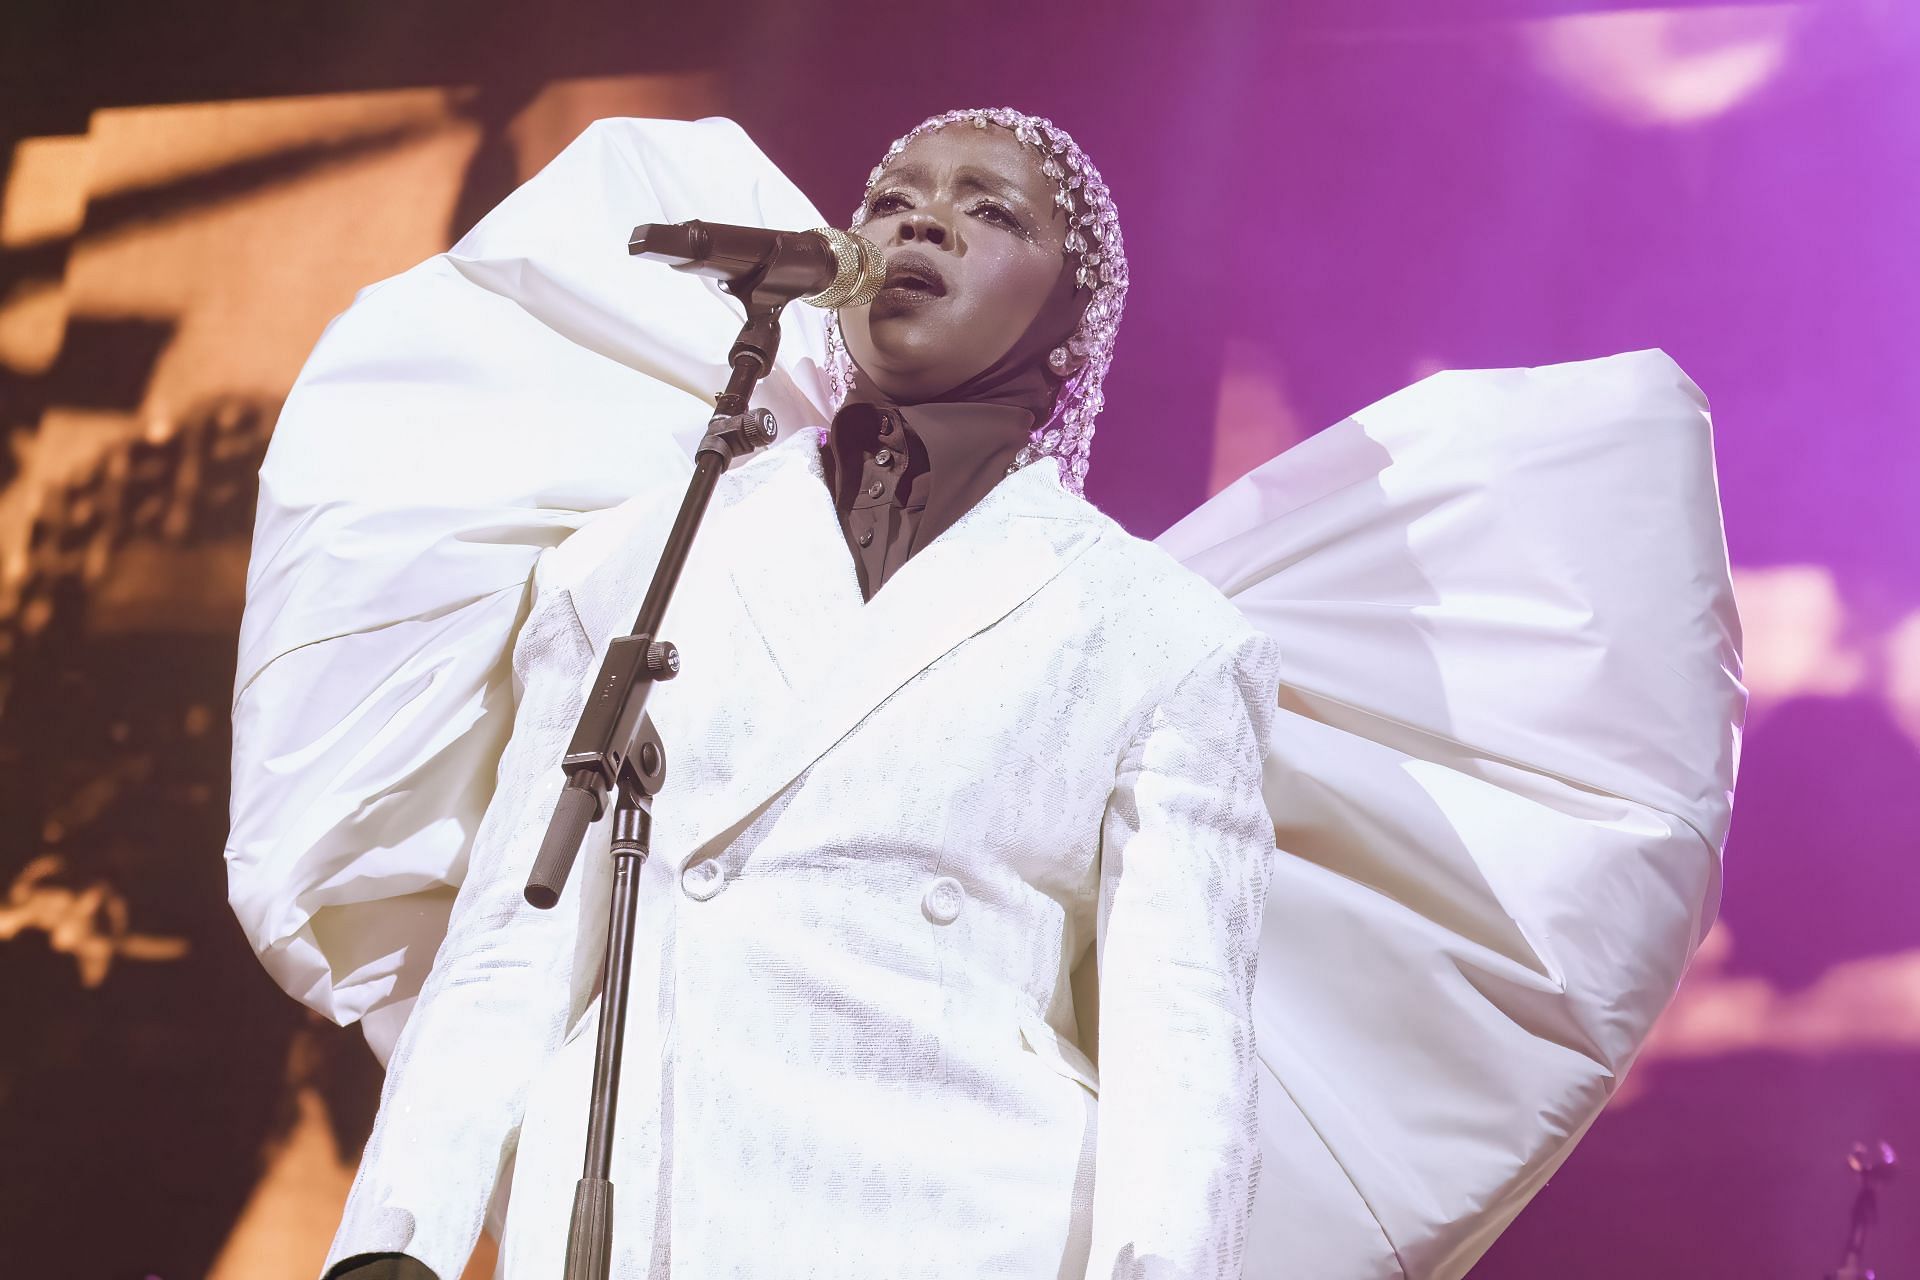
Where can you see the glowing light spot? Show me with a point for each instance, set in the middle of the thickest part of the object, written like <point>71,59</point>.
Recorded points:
<point>89,924</point>
<point>1903,675</point>
<point>1870,1003</point>
<point>1796,642</point>
<point>1665,66</point>
<point>1253,420</point>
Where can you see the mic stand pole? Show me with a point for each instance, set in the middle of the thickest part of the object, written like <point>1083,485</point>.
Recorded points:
<point>616,748</point>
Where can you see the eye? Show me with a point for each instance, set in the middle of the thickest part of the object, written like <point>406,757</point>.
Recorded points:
<point>886,202</point>
<point>997,213</point>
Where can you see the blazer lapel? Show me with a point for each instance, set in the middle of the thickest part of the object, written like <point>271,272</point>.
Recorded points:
<point>791,577</point>
<point>791,570</point>
<point>787,540</point>
<point>840,663</point>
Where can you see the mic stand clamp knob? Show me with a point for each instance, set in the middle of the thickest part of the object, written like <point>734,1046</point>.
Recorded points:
<point>734,435</point>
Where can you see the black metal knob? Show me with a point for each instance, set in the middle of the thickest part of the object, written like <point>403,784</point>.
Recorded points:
<point>663,660</point>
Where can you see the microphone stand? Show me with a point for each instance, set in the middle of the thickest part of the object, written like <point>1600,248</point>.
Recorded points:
<point>616,748</point>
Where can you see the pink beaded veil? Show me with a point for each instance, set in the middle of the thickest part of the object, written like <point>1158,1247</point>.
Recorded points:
<point>1093,243</point>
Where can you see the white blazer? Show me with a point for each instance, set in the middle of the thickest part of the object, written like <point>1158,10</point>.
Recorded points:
<point>891,831</point>
<point>1500,771</point>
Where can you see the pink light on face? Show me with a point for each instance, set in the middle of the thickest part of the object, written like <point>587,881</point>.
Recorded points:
<point>1665,66</point>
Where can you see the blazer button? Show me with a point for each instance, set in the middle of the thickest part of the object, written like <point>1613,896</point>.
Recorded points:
<point>702,880</point>
<point>942,903</point>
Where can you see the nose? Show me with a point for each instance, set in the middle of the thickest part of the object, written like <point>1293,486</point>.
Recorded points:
<point>925,225</point>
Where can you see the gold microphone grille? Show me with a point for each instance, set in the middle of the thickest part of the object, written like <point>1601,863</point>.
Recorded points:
<point>860,270</point>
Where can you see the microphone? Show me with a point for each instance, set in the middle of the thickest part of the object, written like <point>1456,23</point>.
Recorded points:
<point>824,267</point>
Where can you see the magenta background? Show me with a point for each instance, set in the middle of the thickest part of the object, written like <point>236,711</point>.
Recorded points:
<point>1356,193</point>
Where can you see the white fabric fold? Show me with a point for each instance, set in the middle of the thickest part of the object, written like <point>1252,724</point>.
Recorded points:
<point>457,420</point>
<point>1500,784</point>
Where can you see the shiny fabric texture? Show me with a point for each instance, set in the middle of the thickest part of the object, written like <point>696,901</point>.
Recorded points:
<point>1501,780</point>
<point>1504,728</point>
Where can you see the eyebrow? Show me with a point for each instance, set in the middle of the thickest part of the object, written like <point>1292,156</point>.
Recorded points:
<point>967,176</point>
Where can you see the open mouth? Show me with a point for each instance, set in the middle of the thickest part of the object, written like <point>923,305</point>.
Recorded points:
<point>911,274</point>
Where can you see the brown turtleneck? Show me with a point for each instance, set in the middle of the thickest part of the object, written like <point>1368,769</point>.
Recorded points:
<point>900,477</point>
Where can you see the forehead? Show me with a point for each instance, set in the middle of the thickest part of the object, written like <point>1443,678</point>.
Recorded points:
<point>961,151</point>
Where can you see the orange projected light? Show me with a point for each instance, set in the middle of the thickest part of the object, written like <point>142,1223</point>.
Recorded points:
<point>170,271</point>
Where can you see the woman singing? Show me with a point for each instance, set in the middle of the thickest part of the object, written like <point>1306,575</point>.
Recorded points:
<point>968,789</point>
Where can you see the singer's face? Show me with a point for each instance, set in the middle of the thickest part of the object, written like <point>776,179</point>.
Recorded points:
<point>974,243</point>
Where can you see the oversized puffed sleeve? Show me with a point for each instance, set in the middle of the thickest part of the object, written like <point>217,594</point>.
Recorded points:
<point>1500,781</point>
<point>451,425</point>
<point>1186,846</point>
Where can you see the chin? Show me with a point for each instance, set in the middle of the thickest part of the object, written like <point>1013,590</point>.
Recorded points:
<point>898,353</point>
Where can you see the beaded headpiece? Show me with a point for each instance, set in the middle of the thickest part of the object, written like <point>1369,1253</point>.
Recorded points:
<point>1094,246</point>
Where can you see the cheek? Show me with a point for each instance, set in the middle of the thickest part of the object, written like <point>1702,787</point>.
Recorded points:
<point>1014,284</point>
